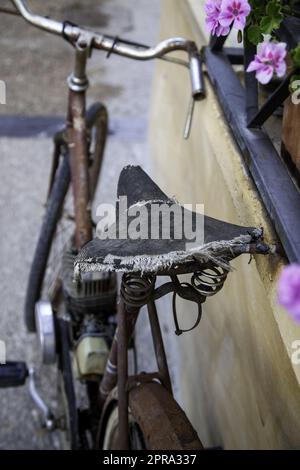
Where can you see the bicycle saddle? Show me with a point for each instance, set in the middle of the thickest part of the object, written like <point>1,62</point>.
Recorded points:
<point>152,248</point>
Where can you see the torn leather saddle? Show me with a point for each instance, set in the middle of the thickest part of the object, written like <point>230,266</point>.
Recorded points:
<point>154,234</point>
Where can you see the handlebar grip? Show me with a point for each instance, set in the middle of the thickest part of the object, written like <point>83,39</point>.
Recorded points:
<point>197,78</point>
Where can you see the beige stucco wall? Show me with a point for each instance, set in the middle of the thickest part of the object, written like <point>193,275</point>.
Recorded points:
<point>238,384</point>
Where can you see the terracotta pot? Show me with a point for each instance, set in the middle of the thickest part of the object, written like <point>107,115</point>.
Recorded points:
<point>291,135</point>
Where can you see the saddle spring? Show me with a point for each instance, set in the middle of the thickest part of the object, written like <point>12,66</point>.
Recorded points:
<point>136,290</point>
<point>209,281</point>
<point>205,283</point>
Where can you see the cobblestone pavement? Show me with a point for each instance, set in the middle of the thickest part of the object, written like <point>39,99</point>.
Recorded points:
<point>34,66</point>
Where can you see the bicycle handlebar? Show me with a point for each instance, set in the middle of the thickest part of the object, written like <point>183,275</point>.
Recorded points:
<point>111,45</point>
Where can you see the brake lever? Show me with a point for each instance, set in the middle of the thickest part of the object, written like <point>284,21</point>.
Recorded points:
<point>198,89</point>
<point>189,118</point>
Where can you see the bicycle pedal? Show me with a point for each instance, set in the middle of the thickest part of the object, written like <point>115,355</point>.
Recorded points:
<point>48,422</point>
<point>13,374</point>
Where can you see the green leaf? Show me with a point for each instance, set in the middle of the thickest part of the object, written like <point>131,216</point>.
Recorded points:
<point>254,34</point>
<point>274,9</point>
<point>295,55</point>
<point>266,25</point>
<point>258,10</point>
<point>295,83</point>
<point>273,18</point>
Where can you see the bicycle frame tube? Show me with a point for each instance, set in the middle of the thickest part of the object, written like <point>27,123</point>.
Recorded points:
<point>117,365</point>
<point>77,143</point>
<point>123,377</point>
<point>158,344</point>
<point>125,382</point>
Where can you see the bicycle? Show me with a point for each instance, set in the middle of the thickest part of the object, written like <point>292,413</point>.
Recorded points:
<point>73,308</point>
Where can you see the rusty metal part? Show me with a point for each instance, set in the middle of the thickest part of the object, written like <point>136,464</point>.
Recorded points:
<point>187,292</point>
<point>178,330</point>
<point>78,80</point>
<point>137,290</point>
<point>109,380</point>
<point>163,424</point>
<point>77,142</point>
<point>143,377</point>
<point>209,281</point>
<point>77,138</point>
<point>97,155</point>
<point>172,431</point>
<point>158,344</point>
<point>122,378</point>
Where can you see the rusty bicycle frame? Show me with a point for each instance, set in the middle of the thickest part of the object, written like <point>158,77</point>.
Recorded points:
<point>76,133</point>
<point>116,373</point>
<point>136,290</point>
<point>127,314</point>
<point>76,138</point>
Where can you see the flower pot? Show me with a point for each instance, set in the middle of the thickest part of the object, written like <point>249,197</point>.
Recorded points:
<point>290,148</point>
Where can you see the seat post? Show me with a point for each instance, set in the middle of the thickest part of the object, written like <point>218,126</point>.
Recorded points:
<point>123,377</point>
<point>135,292</point>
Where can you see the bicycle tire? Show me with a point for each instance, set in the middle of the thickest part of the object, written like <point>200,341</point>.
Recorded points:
<point>163,424</point>
<point>54,210</point>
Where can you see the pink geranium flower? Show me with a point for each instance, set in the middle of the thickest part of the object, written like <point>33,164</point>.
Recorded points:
<point>234,11</point>
<point>289,290</point>
<point>270,59</point>
<point>213,10</point>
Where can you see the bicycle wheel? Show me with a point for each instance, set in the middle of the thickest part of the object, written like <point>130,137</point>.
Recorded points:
<point>67,408</point>
<point>156,421</point>
<point>58,225</point>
